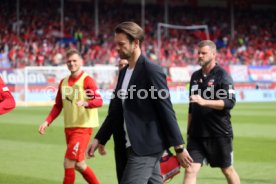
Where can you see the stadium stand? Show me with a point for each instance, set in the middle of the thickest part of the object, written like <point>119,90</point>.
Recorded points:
<point>39,42</point>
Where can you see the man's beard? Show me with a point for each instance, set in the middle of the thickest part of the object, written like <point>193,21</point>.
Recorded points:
<point>125,55</point>
<point>202,63</point>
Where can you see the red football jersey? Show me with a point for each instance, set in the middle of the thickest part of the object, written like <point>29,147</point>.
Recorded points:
<point>7,102</point>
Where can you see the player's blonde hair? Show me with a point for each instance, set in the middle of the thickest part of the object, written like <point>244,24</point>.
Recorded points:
<point>71,52</point>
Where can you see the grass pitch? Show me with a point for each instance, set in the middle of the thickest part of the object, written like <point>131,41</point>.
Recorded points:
<point>29,158</point>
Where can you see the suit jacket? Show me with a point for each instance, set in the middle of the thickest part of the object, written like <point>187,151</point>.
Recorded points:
<point>151,122</point>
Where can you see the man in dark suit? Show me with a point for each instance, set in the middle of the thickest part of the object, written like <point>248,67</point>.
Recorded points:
<point>141,117</point>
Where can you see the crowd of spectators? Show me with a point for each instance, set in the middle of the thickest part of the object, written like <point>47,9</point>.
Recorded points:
<point>36,40</point>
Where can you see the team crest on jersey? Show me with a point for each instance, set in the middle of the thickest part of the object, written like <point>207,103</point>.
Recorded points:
<point>211,82</point>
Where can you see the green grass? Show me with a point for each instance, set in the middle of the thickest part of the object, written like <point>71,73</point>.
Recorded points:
<point>29,158</point>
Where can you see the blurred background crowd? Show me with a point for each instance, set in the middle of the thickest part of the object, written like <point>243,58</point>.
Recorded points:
<point>34,38</point>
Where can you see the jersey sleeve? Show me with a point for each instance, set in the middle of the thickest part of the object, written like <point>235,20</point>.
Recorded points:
<point>92,92</point>
<point>56,109</point>
<point>227,85</point>
<point>7,102</point>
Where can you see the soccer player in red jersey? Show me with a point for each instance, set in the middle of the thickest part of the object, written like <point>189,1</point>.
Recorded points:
<point>79,98</point>
<point>7,102</point>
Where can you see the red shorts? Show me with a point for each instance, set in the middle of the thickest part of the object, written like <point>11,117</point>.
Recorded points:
<point>77,140</point>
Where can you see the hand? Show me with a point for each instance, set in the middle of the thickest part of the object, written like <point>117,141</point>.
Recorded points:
<point>197,99</point>
<point>101,149</point>
<point>82,104</point>
<point>42,128</point>
<point>92,148</point>
<point>184,159</point>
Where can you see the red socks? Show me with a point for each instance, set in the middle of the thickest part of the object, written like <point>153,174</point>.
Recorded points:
<point>89,176</point>
<point>69,176</point>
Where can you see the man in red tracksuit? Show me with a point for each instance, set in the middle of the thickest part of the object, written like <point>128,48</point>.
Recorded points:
<point>7,102</point>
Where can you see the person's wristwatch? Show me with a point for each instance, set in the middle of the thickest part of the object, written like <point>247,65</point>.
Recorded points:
<point>179,149</point>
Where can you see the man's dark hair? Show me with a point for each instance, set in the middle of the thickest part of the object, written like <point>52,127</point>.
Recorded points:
<point>132,30</point>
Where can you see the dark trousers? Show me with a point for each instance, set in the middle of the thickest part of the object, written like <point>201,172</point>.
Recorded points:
<point>142,169</point>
